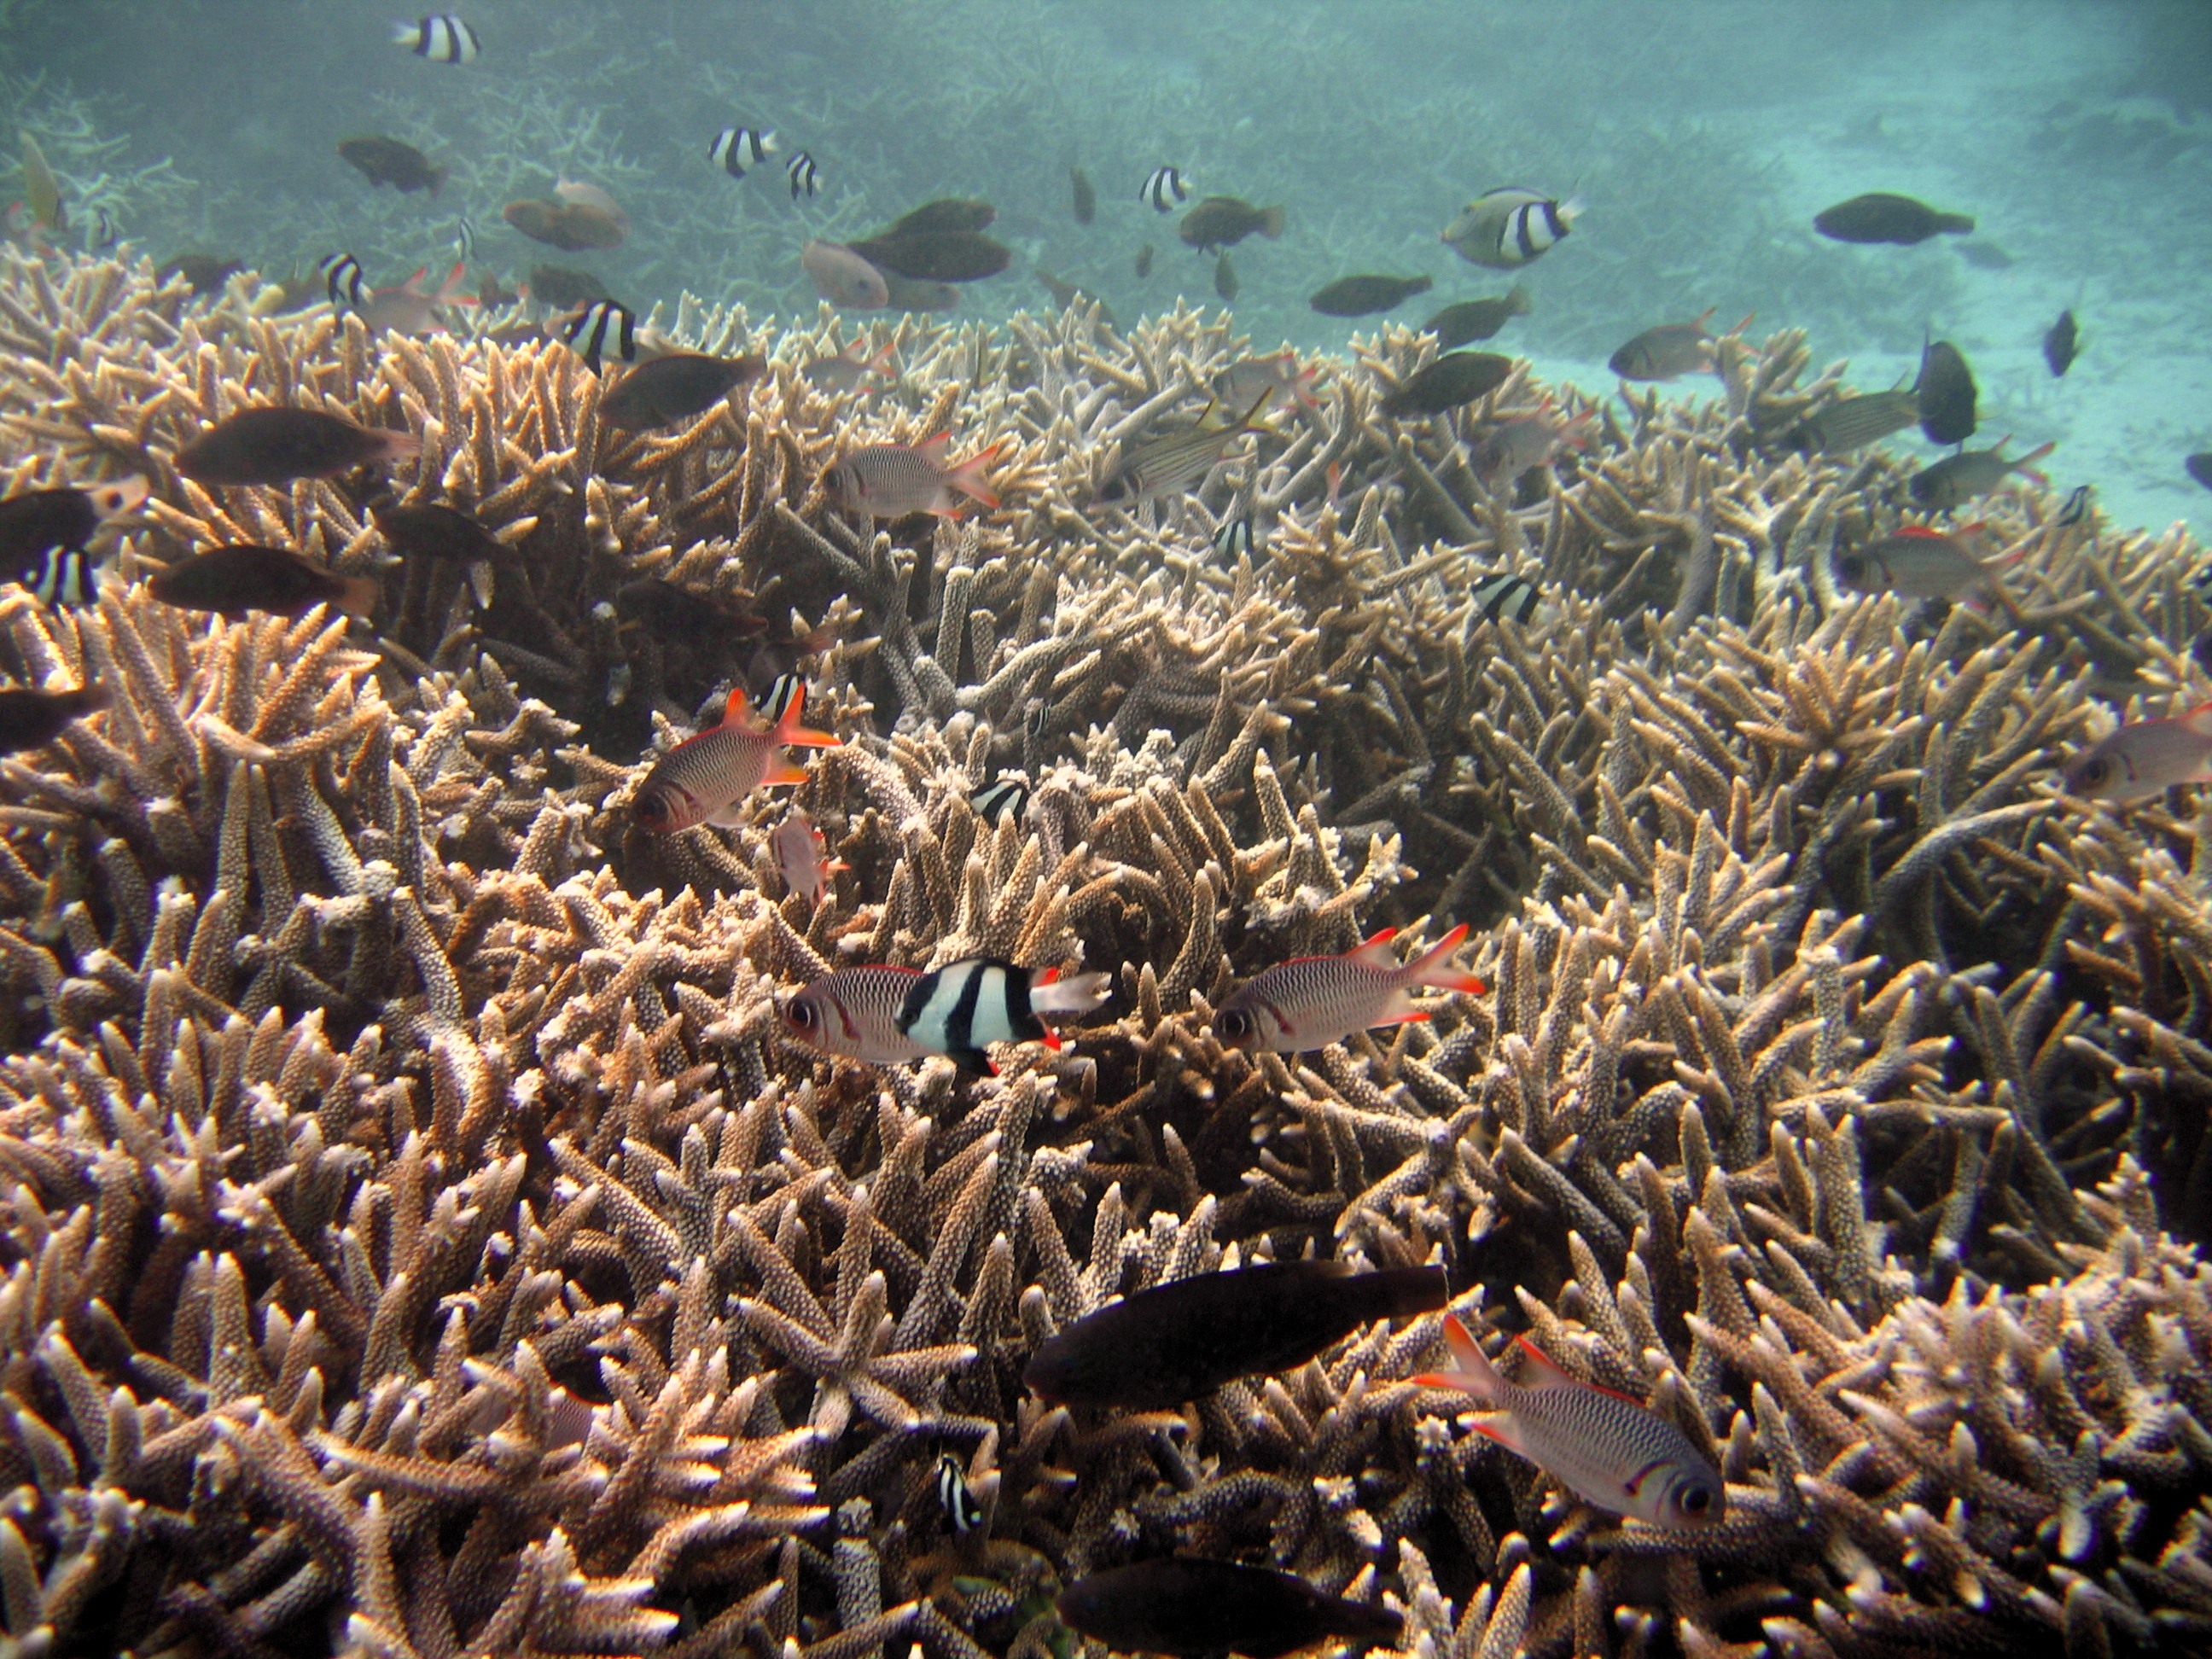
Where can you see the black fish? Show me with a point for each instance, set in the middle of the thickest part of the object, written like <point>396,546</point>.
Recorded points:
<point>1143,265</point>
<point>432,532</point>
<point>1220,222</point>
<point>1194,1609</point>
<point>206,272</point>
<point>1880,217</point>
<point>668,609</point>
<point>1365,294</point>
<point>1183,1340</point>
<point>43,534</point>
<point>1946,392</point>
<point>1224,275</point>
<point>674,387</point>
<point>2199,467</point>
<point>947,216</point>
<point>561,287</point>
<point>388,162</point>
<point>1086,199</point>
<point>1476,319</point>
<point>234,581</point>
<point>275,445</point>
<point>937,256</point>
<point>1456,378</point>
<point>29,719</point>
<point>2060,344</point>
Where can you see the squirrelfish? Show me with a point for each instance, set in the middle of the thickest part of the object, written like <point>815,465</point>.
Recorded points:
<point>1309,1002</point>
<point>1170,465</point>
<point>1671,349</point>
<point>1191,1607</point>
<point>844,371</point>
<point>43,534</point>
<point>702,779</point>
<point>1605,1448</point>
<point>1916,561</point>
<point>1957,479</point>
<point>1509,226</point>
<point>2144,757</point>
<point>888,481</point>
<point>886,1015</point>
<point>1183,1340</point>
<point>407,309</point>
<point>1508,449</point>
<point>1250,380</point>
<point>803,855</point>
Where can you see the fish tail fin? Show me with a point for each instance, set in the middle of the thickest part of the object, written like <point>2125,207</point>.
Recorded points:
<point>87,699</point>
<point>2036,454</point>
<point>1429,967</point>
<point>1517,302</point>
<point>1572,209</point>
<point>1051,995</point>
<point>788,732</point>
<point>1471,1372</point>
<point>968,477</point>
<point>1745,324</point>
<point>1704,317</point>
<point>406,34</point>
<point>449,291</point>
<point>358,595</point>
<point>1272,220</point>
<point>414,284</point>
<point>1956,224</point>
<point>400,446</point>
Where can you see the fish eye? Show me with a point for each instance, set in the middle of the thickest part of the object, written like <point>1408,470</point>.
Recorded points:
<point>2092,772</point>
<point>1232,1022</point>
<point>1696,1500</point>
<point>800,1013</point>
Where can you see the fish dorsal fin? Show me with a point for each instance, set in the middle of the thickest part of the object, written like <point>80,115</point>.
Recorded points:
<point>935,447</point>
<point>414,284</point>
<point>1542,1371</point>
<point>1377,950</point>
<point>2199,719</point>
<point>735,711</point>
<point>1922,532</point>
<point>1704,317</point>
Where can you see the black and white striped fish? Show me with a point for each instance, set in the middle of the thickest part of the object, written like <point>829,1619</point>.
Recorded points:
<point>781,696</point>
<point>965,1005</point>
<point>342,280</point>
<point>806,177</point>
<point>441,37</point>
<point>1508,227</point>
<point>962,1513</point>
<point>1007,793</point>
<point>43,534</point>
<point>100,234</point>
<point>1163,189</point>
<point>737,150</point>
<point>1503,596</point>
<point>603,328</point>
<point>464,238</point>
<point>1234,539</point>
<point>2076,507</point>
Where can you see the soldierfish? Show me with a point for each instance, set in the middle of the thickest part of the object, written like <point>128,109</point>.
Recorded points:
<point>888,481</point>
<point>1918,562</point>
<point>702,779</point>
<point>1508,449</point>
<point>1957,479</point>
<point>1309,1002</point>
<point>407,310</point>
<point>1671,349</point>
<point>1605,1448</point>
<point>1250,380</point>
<point>1183,1340</point>
<point>844,371</point>
<point>2144,757</point>
<point>1191,1608</point>
<point>886,1015</point>
<point>803,855</point>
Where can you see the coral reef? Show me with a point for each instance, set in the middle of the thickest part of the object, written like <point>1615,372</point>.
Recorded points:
<point>418,1240</point>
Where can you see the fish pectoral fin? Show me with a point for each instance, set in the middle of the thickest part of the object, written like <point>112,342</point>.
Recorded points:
<point>1500,1427</point>
<point>730,818</point>
<point>972,1060</point>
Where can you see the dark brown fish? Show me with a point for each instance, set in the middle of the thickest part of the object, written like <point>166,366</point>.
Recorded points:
<point>1661,353</point>
<point>1880,217</point>
<point>206,272</point>
<point>2062,343</point>
<point>235,580</point>
<point>388,162</point>
<point>1198,1609</point>
<point>937,256</point>
<point>1183,1340</point>
<point>1221,222</point>
<point>29,718</point>
<point>1456,378</point>
<point>1852,422</point>
<point>1143,265</point>
<point>1224,275</point>
<point>569,226</point>
<point>274,446</point>
<point>432,532</point>
<point>950,214</point>
<point>564,289</point>
<point>679,612</point>
<point>1946,392</point>
<point>1985,256</point>
<point>1086,199</point>
<point>1476,319</point>
<point>2199,467</point>
<point>675,385</point>
<point>1365,294</point>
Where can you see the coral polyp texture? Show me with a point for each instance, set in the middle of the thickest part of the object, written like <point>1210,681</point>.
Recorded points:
<point>421,1239</point>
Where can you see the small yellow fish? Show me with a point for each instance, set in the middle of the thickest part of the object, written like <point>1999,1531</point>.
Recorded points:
<point>42,191</point>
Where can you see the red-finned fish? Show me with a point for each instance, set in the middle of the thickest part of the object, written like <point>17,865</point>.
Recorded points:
<point>1919,563</point>
<point>1170,466</point>
<point>1190,1607</point>
<point>844,371</point>
<point>803,855</point>
<point>407,309</point>
<point>276,444</point>
<point>1671,349</point>
<point>1957,479</point>
<point>30,717</point>
<point>43,534</point>
<point>1605,1448</point>
<point>1508,449</point>
<point>886,1015</point>
<point>702,779</point>
<point>1250,379</point>
<point>843,278</point>
<point>888,481</point>
<point>1309,1002</point>
<point>2144,757</point>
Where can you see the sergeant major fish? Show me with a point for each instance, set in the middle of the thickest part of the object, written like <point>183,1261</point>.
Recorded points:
<point>1309,1002</point>
<point>442,37</point>
<point>702,779</point>
<point>603,328</point>
<point>1163,188</point>
<point>737,150</point>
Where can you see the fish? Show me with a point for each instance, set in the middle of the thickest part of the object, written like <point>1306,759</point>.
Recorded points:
<point>42,191</point>
<point>2062,343</point>
<point>806,177</point>
<point>1163,188</point>
<point>1671,349</point>
<point>1501,596</point>
<point>388,162</point>
<point>206,272</point>
<point>1142,265</point>
<point>888,481</point>
<point>44,534</point>
<point>1181,1340</point>
<point>1985,256</point>
<point>464,238</point>
<point>1916,561</point>
<point>843,371</point>
<point>1508,449</point>
<point>843,278</point>
<point>906,293</point>
<point>1610,1451</point>
<point>1194,1608</point>
<point>1509,227</point>
<point>948,215</point>
<point>2076,506</point>
<point>1234,539</point>
<point>602,328</point>
<point>1085,199</point>
<point>441,37</point>
<point>887,1016</point>
<point>1007,793</point>
<point>1946,392</point>
<point>407,309</point>
<point>1366,294</point>
<point>275,444</point>
<point>738,150</point>
<point>1880,217</point>
<point>572,227</point>
<point>937,256</point>
<point>1309,1002</point>
<point>1456,378</point>
<point>1275,376</point>
<point>703,778</point>
<point>31,718</point>
<point>678,610</point>
<point>1224,275</point>
<point>803,855</point>
<point>577,194</point>
<point>674,386</point>
<point>429,531</point>
<point>955,1497</point>
<point>1853,422</point>
<point>102,233</point>
<point>1170,465</point>
<point>783,691</point>
<point>2144,757</point>
<point>235,580</point>
<point>1220,222</point>
<point>1478,319</point>
<point>2199,467</point>
<point>1957,479</point>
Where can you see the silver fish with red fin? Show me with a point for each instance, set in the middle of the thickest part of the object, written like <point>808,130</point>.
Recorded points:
<point>702,779</point>
<point>2144,757</point>
<point>1309,1002</point>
